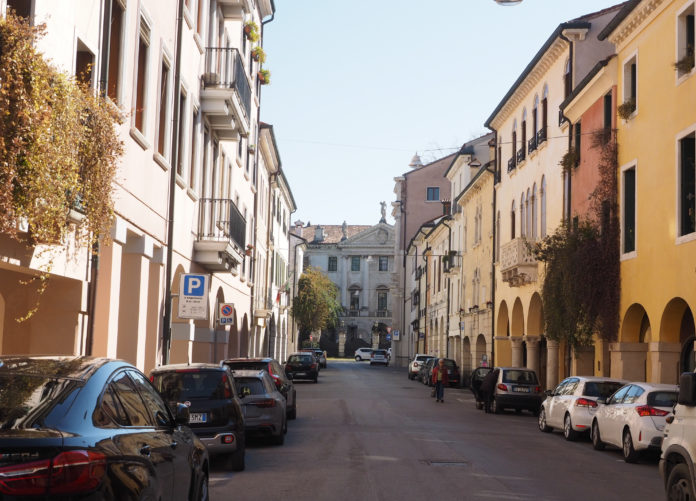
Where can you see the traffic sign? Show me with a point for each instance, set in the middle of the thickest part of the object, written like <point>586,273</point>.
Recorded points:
<point>396,335</point>
<point>226,314</point>
<point>193,296</point>
<point>388,337</point>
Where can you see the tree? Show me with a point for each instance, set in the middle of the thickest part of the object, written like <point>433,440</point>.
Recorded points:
<point>316,305</point>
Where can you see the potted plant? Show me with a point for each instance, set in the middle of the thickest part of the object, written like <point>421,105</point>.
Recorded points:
<point>686,63</point>
<point>258,54</point>
<point>626,109</point>
<point>251,31</point>
<point>264,77</point>
<point>252,149</point>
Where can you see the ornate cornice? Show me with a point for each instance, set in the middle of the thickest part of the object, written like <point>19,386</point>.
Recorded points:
<point>629,25</point>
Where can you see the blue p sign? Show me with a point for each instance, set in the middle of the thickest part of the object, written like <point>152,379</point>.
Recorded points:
<point>194,285</point>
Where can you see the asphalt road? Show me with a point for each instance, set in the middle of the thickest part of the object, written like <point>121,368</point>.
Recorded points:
<point>368,433</point>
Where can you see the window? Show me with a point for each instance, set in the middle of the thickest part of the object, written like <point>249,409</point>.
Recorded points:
<point>522,216</point>
<point>542,208</point>
<point>84,62</point>
<point>152,399</point>
<point>333,263</point>
<point>433,194</point>
<point>535,116</point>
<point>381,300</point>
<point>355,263</point>
<point>141,76</point>
<point>528,211</point>
<point>514,143</point>
<point>544,114</point>
<point>355,299</point>
<point>21,8</point>
<point>685,42</point>
<point>629,210</point>
<point>193,148</point>
<point>567,80</point>
<point>200,19</point>
<point>512,221</point>
<point>113,84</point>
<point>577,129</point>
<point>534,212</point>
<point>607,111</point>
<point>180,140</point>
<point>129,398</point>
<point>383,263</point>
<point>163,109</point>
<point>630,87</point>
<point>687,184</point>
<point>206,161</point>
<point>523,146</point>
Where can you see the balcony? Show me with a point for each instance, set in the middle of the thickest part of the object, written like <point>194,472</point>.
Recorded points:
<point>521,155</point>
<point>366,313</point>
<point>511,164</point>
<point>453,263</point>
<point>221,241</point>
<point>517,263</point>
<point>532,144</point>
<point>226,93</point>
<point>541,137</point>
<point>235,9</point>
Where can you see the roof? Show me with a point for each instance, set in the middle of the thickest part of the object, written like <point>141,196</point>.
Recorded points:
<point>614,23</point>
<point>444,160</point>
<point>479,173</point>
<point>333,233</point>
<point>198,365</point>
<point>583,83</point>
<point>469,148</point>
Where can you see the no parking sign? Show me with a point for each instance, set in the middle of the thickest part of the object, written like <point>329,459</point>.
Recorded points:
<point>226,314</point>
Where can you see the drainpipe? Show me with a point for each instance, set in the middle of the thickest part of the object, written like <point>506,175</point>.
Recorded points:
<point>495,236</point>
<point>272,179</point>
<point>94,265</point>
<point>449,287</point>
<point>167,319</point>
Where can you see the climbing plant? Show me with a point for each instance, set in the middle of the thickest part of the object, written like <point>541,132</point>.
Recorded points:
<point>582,277</point>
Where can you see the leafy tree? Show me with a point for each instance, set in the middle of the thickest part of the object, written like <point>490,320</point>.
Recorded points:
<point>316,305</point>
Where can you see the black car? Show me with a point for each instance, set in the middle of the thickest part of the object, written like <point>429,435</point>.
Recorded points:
<point>302,365</point>
<point>275,370</point>
<point>83,428</point>
<point>426,369</point>
<point>216,414</point>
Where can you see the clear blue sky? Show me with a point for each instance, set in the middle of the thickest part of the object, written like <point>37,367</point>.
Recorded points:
<point>358,87</point>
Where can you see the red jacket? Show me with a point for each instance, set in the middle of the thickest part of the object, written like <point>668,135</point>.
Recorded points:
<point>445,375</point>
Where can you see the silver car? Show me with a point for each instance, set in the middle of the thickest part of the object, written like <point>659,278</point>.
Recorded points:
<point>571,406</point>
<point>263,405</point>
<point>516,388</point>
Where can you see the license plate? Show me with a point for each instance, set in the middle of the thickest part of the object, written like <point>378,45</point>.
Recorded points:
<point>521,389</point>
<point>198,417</point>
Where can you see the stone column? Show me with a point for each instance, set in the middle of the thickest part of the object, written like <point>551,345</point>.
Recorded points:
<point>533,353</point>
<point>551,364</point>
<point>342,343</point>
<point>516,343</point>
<point>664,360</point>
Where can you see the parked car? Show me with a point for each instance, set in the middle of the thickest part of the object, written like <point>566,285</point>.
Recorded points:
<point>84,428</point>
<point>678,453</point>
<point>452,371</point>
<point>633,419</point>
<point>517,388</point>
<point>264,406</point>
<point>318,354</point>
<point>426,370</point>
<point>415,364</point>
<point>215,412</point>
<point>363,354</point>
<point>276,371</point>
<point>476,379</point>
<point>379,357</point>
<point>302,365</point>
<point>572,404</point>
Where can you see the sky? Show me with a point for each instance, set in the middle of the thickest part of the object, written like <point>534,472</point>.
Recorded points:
<point>357,88</point>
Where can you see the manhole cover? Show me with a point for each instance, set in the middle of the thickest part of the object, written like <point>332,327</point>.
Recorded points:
<point>444,462</point>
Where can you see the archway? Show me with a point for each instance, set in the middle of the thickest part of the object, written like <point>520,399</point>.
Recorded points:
<point>503,354</point>
<point>519,352</point>
<point>677,332</point>
<point>630,360</point>
<point>481,350</point>
<point>466,356</point>
<point>244,337</point>
<point>517,323</point>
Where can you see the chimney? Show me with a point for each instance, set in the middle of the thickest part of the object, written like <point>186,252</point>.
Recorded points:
<point>318,234</point>
<point>298,227</point>
<point>446,207</point>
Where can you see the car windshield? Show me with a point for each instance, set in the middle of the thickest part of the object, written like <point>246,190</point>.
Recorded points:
<point>380,352</point>
<point>249,386</point>
<point>519,377</point>
<point>601,389</point>
<point>662,398</point>
<point>299,359</point>
<point>450,364</point>
<point>423,358</point>
<point>182,386</point>
<point>247,365</point>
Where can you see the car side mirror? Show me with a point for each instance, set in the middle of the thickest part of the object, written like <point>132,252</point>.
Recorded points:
<point>182,415</point>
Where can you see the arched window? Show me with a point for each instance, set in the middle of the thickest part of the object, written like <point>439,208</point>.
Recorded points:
<point>464,235</point>
<point>512,221</point>
<point>535,114</point>
<point>567,80</point>
<point>534,212</point>
<point>514,143</point>
<point>544,115</point>
<point>528,211</point>
<point>523,146</point>
<point>522,216</point>
<point>542,208</point>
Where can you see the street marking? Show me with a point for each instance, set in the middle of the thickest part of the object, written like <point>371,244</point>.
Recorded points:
<point>381,458</point>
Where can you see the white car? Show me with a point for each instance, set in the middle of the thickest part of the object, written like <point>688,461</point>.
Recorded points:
<point>415,364</point>
<point>633,418</point>
<point>363,354</point>
<point>379,357</point>
<point>572,404</point>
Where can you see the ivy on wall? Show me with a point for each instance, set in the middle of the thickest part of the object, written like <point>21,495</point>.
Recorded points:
<point>582,286</point>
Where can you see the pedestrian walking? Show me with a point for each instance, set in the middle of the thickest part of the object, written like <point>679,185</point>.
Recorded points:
<point>440,379</point>
<point>488,389</point>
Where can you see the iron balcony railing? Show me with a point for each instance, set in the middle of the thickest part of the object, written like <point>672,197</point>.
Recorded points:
<point>219,220</point>
<point>532,144</point>
<point>521,154</point>
<point>541,136</point>
<point>366,313</point>
<point>224,68</point>
<point>511,165</point>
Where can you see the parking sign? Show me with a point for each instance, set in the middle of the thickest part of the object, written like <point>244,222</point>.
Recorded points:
<point>193,296</point>
<point>226,314</point>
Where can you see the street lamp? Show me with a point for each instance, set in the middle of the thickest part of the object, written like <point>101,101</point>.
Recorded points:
<point>508,2</point>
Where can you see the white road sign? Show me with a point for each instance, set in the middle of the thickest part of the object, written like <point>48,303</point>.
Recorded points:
<point>193,296</point>
<point>226,313</point>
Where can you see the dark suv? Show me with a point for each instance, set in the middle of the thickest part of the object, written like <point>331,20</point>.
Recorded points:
<point>275,370</point>
<point>303,365</point>
<point>215,412</point>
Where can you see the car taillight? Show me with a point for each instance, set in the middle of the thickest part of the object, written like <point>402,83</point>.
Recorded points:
<point>502,387</point>
<point>585,402</point>
<point>537,389</point>
<point>265,403</point>
<point>228,391</point>
<point>416,364</point>
<point>70,472</point>
<point>314,366</point>
<point>646,410</point>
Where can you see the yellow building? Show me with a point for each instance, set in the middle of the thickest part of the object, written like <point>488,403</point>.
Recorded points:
<point>656,135</point>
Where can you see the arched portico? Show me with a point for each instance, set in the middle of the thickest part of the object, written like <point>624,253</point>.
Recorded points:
<point>674,351</point>
<point>503,354</point>
<point>629,355</point>
<point>517,333</point>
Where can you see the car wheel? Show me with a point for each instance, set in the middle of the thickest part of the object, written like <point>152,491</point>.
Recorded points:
<point>596,437</point>
<point>479,405</point>
<point>316,379</point>
<point>279,439</point>
<point>201,493</point>
<point>495,408</point>
<point>292,414</point>
<point>629,453</point>
<point>358,359</point>
<point>568,432</point>
<point>235,461</point>
<point>410,376</point>
<point>542,422</point>
<point>679,486</point>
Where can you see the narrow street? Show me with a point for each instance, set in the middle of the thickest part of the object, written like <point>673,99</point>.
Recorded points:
<point>369,433</point>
